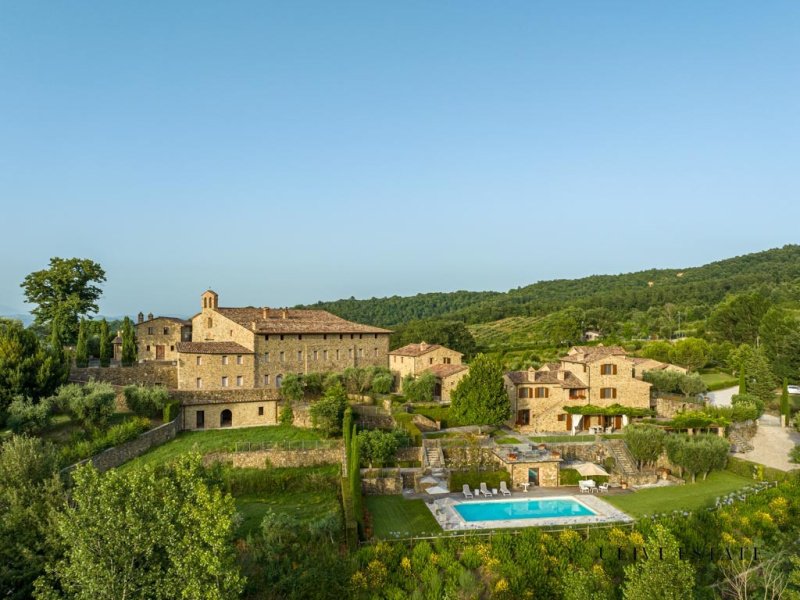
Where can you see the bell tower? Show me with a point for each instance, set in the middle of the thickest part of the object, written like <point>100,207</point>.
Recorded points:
<point>210,299</point>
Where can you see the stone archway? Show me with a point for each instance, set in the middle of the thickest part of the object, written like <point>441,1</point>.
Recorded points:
<point>226,418</point>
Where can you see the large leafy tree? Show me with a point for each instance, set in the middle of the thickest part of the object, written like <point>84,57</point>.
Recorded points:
<point>327,413</point>
<point>691,353</point>
<point>759,379</point>
<point>737,319</point>
<point>480,398</point>
<point>143,534</point>
<point>28,367</point>
<point>662,574</point>
<point>64,292</point>
<point>780,337</point>
<point>30,491</point>
<point>645,442</point>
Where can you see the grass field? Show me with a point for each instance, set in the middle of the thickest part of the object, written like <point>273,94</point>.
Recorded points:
<point>690,496</point>
<point>220,440</point>
<point>303,506</point>
<point>393,515</point>
<point>718,380</point>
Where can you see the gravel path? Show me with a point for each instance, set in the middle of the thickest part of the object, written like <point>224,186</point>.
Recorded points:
<point>722,397</point>
<point>771,444</point>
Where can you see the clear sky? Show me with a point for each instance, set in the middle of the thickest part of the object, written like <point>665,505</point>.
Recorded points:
<point>287,152</point>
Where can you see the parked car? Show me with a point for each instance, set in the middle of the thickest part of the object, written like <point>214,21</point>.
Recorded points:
<point>793,389</point>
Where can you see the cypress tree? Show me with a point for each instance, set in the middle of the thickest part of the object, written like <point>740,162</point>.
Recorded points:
<point>742,380</point>
<point>81,349</point>
<point>785,411</point>
<point>128,343</point>
<point>105,345</point>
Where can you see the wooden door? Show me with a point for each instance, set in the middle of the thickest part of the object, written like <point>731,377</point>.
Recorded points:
<point>618,422</point>
<point>159,352</point>
<point>569,422</point>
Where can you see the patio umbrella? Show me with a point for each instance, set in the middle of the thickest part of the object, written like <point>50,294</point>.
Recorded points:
<point>437,489</point>
<point>590,469</point>
<point>429,479</point>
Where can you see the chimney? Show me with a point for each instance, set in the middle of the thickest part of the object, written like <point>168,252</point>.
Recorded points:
<point>149,316</point>
<point>265,313</point>
<point>140,317</point>
<point>284,314</point>
<point>423,346</point>
<point>562,375</point>
<point>253,325</point>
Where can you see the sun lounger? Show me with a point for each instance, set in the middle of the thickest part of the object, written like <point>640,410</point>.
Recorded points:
<point>485,491</point>
<point>504,489</point>
<point>467,492</point>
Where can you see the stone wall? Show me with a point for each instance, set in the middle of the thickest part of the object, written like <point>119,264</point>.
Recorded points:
<point>114,457</point>
<point>424,423</point>
<point>388,484</point>
<point>469,457</point>
<point>146,342</point>
<point>149,373</point>
<point>213,371</point>
<point>586,452</point>
<point>668,407</point>
<point>548,473</point>
<point>262,459</point>
<point>410,453</point>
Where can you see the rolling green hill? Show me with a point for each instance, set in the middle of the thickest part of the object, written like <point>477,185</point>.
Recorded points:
<point>694,289</point>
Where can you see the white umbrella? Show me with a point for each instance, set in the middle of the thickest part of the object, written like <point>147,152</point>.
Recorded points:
<point>590,469</point>
<point>429,479</point>
<point>437,489</point>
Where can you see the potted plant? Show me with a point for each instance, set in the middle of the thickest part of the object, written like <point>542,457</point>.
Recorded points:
<point>542,447</point>
<point>623,485</point>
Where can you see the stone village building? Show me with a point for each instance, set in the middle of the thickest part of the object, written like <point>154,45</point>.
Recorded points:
<point>230,370</point>
<point>157,338</point>
<point>443,363</point>
<point>596,375</point>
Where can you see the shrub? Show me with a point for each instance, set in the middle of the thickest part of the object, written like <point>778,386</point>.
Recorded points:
<point>328,412</point>
<point>419,389</point>
<point>169,412</point>
<point>794,455</point>
<point>25,416</point>
<point>382,384</point>
<point>492,479</point>
<point>377,447</point>
<point>292,387</point>
<point>750,400</point>
<point>286,416</point>
<point>404,421</point>
<point>124,432</point>
<point>146,401</point>
<point>92,404</point>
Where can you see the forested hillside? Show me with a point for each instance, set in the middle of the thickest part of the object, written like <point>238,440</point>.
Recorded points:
<point>696,288</point>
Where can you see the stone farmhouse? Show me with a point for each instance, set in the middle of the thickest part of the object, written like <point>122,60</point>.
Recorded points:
<point>236,358</point>
<point>640,365</point>
<point>588,375</point>
<point>443,363</point>
<point>157,338</point>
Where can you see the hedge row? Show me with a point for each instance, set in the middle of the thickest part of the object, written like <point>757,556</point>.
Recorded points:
<point>492,479</point>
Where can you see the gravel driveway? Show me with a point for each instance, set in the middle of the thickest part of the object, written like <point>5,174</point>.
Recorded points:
<point>771,444</point>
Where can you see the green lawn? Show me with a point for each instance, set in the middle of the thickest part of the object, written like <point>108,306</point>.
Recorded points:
<point>221,440</point>
<point>690,496</point>
<point>506,439</point>
<point>392,515</point>
<point>303,506</point>
<point>717,380</point>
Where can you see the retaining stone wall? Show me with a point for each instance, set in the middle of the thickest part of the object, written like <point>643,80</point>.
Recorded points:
<point>149,373</point>
<point>262,459</point>
<point>380,486</point>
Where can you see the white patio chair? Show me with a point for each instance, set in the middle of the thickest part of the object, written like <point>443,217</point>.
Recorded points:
<point>467,492</point>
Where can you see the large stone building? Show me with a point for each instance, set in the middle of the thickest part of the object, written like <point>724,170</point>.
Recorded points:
<point>588,375</point>
<point>157,338</point>
<point>443,363</point>
<point>254,348</point>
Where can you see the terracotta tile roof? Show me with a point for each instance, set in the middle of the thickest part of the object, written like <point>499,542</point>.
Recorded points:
<point>418,349</point>
<point>587,354</point>
<point>173,319</point>
<point>212,348</point>
<point>546,378</point>
<point>290,320</point>
<point>443,371</point>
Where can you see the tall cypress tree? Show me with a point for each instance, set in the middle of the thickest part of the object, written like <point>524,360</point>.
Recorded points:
<point>742,380</point>
<point>128,343</point>
<point>785,410</point>
<point>82,348</point>
<point>105,345</point>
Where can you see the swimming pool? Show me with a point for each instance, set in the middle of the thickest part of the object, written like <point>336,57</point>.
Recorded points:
<point>529,508</point>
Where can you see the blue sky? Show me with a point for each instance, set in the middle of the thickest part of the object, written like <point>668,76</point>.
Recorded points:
<point>286,152</point>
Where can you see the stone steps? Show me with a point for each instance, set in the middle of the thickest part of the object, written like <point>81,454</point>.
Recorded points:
<point>624,461</point>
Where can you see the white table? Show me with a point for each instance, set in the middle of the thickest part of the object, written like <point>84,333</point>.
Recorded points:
<point>494,491</point>
<point>477,493</point>
<point>525,486</point>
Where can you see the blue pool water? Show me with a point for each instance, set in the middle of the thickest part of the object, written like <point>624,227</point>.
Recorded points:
<point>541,508</point>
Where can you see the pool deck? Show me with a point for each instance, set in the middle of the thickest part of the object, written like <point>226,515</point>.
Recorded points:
<point>443,509</point>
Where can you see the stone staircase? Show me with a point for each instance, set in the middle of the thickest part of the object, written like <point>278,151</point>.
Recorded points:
<point>433,457</point>
<point>625,463</point>
<point>739,443</point>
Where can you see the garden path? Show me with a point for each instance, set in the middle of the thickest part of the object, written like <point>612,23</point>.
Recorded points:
<point>771,444</point>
